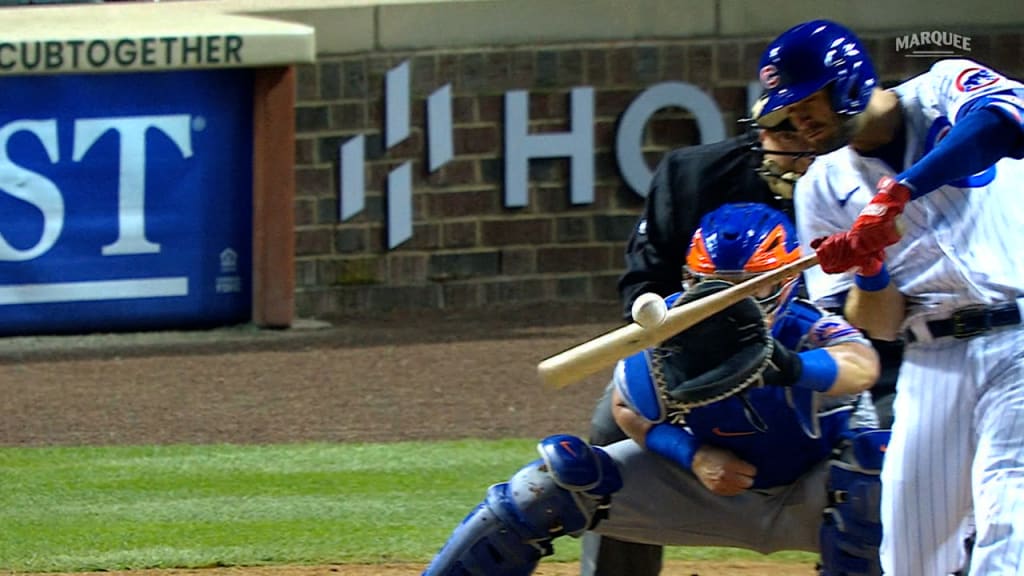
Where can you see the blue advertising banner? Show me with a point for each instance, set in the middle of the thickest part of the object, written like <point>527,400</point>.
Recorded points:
<point>125,201</point>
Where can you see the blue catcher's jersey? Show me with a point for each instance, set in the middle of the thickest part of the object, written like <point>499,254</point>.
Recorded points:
<point>783,431</point>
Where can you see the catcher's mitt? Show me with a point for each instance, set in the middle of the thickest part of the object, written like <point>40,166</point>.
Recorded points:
<point>716,358</point>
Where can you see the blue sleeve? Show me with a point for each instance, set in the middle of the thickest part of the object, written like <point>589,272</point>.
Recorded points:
<point>672,442</point>
<point>988,130</point>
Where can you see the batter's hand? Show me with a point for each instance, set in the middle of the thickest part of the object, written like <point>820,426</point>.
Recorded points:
<point>876,226</point>
<point>838,253</point>
<point>722,472</point>
<point>835,253</point>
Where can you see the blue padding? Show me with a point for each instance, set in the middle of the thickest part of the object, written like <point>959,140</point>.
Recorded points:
<point>492,541</point>
<point>611,479</point>
<point>637,387</point>
<point>572,462</point>
<point>851,531</point>
<point>792,323</point>
<point>840,557</point>
<point>508,533</point>
<point>869,449</point>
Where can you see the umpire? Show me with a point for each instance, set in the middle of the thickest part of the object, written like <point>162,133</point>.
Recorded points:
<point>760,165</point>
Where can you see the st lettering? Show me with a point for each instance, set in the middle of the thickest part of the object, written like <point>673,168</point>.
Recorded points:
<point>43,193</point>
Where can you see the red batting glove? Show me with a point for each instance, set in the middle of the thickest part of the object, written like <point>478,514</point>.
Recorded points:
<point>835,253</point>
<point>876,228</point>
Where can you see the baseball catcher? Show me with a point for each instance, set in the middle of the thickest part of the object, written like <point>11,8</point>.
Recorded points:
<point>751,429</point>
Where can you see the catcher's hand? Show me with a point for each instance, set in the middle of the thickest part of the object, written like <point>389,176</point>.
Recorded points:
<point>716,358</point>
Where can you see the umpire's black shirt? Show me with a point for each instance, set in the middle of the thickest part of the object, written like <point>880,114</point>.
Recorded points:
<point>688,183</point>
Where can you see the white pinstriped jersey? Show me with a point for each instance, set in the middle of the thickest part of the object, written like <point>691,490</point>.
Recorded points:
<point>963,243</point>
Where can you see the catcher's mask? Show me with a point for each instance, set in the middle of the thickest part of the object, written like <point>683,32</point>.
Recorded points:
<point>780,179</point>
<point>736,242</point>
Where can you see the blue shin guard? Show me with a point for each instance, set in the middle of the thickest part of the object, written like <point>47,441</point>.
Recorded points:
<point>564,492</point>
<point>852,529</point>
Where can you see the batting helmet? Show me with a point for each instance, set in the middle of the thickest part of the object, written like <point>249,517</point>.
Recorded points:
<point>812,56</point>
<point>738,241</point>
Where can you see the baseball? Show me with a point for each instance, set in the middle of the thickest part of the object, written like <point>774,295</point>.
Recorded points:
<point>649,310</point>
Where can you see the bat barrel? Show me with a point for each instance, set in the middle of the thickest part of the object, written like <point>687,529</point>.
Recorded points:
<point>603,352</point>
<point>592,356</point>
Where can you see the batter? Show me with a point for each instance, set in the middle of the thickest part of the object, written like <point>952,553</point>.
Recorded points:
<point>914,206</point>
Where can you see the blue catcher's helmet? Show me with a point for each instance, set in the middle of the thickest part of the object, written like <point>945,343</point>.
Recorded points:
<point>736,242</point>
<point>812,56</point>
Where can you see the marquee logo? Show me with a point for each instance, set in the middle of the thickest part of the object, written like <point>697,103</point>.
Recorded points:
<point>933,44</point>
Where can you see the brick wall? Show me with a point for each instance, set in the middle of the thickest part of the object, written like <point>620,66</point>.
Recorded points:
<point>467,249</point>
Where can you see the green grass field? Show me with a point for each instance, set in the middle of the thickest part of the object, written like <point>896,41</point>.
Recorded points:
<point>106,508</point>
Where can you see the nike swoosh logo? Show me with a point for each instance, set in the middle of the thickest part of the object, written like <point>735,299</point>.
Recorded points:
<point>845,199</point>
<point>719,432</point>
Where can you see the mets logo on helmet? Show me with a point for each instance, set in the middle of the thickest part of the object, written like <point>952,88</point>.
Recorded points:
<point>975,78</point>
<point>769,76</point>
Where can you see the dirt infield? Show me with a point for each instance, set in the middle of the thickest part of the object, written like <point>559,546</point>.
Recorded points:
<point>424,377</point>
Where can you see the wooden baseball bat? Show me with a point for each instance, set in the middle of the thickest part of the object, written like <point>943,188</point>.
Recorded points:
<point>580,361</point>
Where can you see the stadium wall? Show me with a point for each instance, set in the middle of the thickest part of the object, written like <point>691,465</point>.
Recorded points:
<point>467,248</point>
<point>468,153</point>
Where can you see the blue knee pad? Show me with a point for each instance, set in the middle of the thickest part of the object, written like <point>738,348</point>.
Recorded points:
<point>851,531</point>
<point>566,491</point>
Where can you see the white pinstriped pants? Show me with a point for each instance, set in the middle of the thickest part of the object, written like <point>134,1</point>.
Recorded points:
<point>958,436</point>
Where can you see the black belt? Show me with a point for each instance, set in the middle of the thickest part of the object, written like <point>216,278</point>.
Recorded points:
<point>971,321</point>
